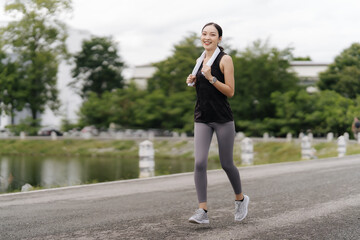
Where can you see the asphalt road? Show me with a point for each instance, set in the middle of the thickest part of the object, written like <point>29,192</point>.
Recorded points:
<point>314,199</point>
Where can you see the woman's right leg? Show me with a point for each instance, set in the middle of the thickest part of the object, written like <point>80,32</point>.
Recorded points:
<point>203,135</point>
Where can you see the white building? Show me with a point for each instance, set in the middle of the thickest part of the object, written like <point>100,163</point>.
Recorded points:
<point>70,101</point>
<point>141,74</point>
<point>308,71</point>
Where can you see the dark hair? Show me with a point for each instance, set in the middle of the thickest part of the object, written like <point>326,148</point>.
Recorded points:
<point>218,28</point>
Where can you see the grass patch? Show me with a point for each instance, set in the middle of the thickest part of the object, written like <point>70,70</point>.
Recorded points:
<point>353,149</point>
<point>180,144</point>
<point>325,150</point>
<point>275,152</point>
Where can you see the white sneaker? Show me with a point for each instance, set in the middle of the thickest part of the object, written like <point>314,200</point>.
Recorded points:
<point>199,217</point>
<point>241,208</point>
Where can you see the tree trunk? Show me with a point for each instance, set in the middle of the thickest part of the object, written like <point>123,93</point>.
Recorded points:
<point>33,114</point>
<point>12,116</point>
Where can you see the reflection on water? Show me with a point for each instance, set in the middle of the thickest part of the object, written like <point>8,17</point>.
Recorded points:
<point>146,159</point>
<point>58,173</point>
<point>147,167</point>
<point>4,174</point>
<point>47,172</point>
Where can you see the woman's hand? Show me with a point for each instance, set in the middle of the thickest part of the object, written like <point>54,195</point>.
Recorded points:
<point>190,79</point>
<point>206,70</point>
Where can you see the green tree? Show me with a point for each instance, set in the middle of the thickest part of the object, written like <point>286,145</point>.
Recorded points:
<point>134,108</point>
<point>156,110</point>
<point>98,67</point>
<point>322,112</point>
<point>12,96</point>
<point>37,41</point>
<point>343,75</point>
<point>96,110</point>
<point>292,112</point>
<point>331,113</point>
<point>179,112</point>
<point>117,106</point>
<point>260,71</point>
<point>172,72</point>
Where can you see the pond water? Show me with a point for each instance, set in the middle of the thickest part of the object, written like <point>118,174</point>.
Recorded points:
<point>49,172</point>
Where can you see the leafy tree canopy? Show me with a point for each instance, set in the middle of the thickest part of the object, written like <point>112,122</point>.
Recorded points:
<point>11,86</point>
<point>260,70</point>
<point>98,67</point>
<point>343,75</point>
<point>322,112</point>
<point>171,73</point>
<point>37,42</point>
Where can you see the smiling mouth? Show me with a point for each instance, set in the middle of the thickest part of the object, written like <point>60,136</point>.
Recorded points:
<point>207,43</point>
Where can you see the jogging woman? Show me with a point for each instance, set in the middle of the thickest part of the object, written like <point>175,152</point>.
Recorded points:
<point>214,84</point>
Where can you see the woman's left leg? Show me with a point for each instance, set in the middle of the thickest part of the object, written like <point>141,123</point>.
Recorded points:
<point>225,133</point>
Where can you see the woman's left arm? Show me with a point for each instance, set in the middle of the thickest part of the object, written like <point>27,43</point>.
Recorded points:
<point>227,67</point>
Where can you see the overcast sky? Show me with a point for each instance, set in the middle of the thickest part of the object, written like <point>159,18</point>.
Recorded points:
<point>146,30</point>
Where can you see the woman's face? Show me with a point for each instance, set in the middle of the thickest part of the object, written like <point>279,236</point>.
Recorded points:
<point>210,37</point>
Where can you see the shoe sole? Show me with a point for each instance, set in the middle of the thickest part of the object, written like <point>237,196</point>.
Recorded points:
<point>198,222</point>
<point>246,211</point>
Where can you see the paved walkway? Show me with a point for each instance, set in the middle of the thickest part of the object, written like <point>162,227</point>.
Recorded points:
<point>315,199</point>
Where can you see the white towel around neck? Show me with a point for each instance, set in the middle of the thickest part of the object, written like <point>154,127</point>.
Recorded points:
<point>201,59</point>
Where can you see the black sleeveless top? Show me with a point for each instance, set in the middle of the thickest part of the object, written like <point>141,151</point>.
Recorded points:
<point>211,104</point>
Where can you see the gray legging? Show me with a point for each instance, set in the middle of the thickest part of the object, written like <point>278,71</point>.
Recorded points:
<point>225,133</point>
